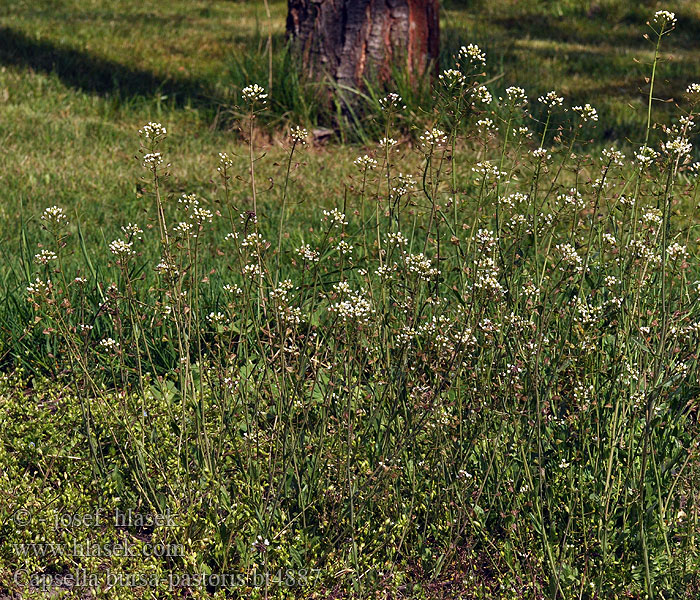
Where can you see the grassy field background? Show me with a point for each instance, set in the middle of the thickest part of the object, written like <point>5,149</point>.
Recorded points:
<point>77,79</point>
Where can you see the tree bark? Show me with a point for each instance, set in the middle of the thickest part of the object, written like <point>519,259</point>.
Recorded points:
<point>353,40</point>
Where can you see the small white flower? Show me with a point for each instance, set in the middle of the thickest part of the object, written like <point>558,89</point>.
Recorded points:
<point>121,249</point>
<point>55,215</point>
<point>645,156</point>
<point>132,230</point>
<point>152,160</point>
<point>665,17</point>
<point>471,53</point>
<point>676,250</point>
<point>570,257</point>
<point>109,345</point>
<point>613,156</point>
<point>308,254</point>
<point>488,171</point>
<point>365,162</point>
<point>483,95</point>
<point>45,257</point>
<point>572,199</point>
<point>39,287</point>
<point>404,184</point>
<point>298,134</point>
<point>693,88</point>
<point>344,248</point>
<point>201,215</point>
<point>153,131</point>
<point>387,143</point>
<point>551,99</point>
<point>516,96</point>
<point>225,163</point>
<point>336,217</point>
<point>486,126</point>
<point>217,318</point>
<point>677,147</point>
<point>234,289</point>
<point>452,78</point>
<point>391,102</point>
<point>586,112</point>
<point>396,239</point>
<point>254,93</point>
<point>541,154</point>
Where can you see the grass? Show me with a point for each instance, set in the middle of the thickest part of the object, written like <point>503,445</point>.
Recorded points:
<point>476,381</point>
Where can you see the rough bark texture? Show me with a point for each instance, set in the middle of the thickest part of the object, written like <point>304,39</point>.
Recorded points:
<point>350,40</point>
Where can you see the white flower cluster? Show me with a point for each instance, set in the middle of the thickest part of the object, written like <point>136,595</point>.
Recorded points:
<point>652,215</point>
<point>201,215</point>
<point>486,126</point>
<point>487,273</point>
<point>183,227</point>
<point>109,345</point>
<point>391,102</point>
<point>614,156</point>
<point>645,156</point>
<point>516,96</point>
<point>486,239</point>
<point>488,171</point>
<point>483,95</point>
<point>45,257</point>
<point>281,292</point>
<point>252,270</point>
<point>570,257</point>
<point>514,200</point>
<point>152,160</point>
<point>308,254</point>
<point>355,307</point>
<point>572,199</point>
<point>225,163</point>
<point>679,147</point>
<point>452,78</point>
<point>54,215</point>
<point>665,17</point>
<point>344,248</point>
<point>693,88</point>
<point>551,99</point>
<point>471,53</point>
<point>396,239</point>
<point>676,251</point>
<point>541,154</point>
<point>387,143</point>
<point>167,268</point>
<point>365,162</point>
<point>153,131</point>
<point>404,184</point>
<point>254,242</point>
<point>336,217</point>
<point>234,289</point>
<point>39,288</point>
<point>586,112</point>
<point>254,93</point>
<point>420,264</point>
<point>132,230</point>
<point>298,134</point>
<point>217,318</point>
<point>121,249</point>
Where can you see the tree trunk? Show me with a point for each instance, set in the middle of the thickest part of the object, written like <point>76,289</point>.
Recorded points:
<point>352,40</point>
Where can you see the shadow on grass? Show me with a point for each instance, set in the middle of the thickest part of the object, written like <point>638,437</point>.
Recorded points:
<point>105,77</point>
